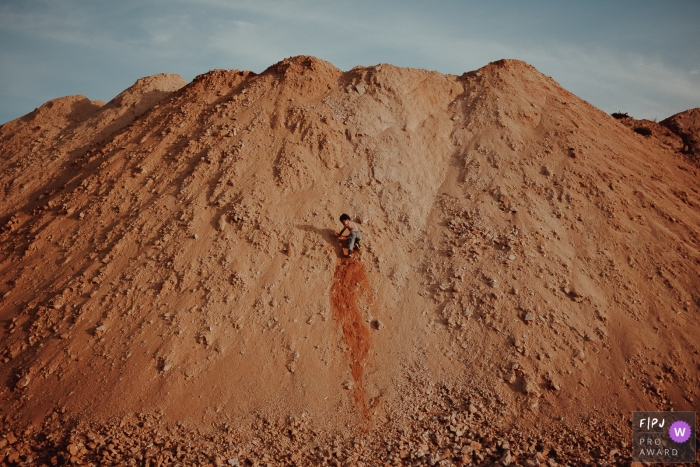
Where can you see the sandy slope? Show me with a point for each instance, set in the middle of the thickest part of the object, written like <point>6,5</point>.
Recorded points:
<point>529,272</point>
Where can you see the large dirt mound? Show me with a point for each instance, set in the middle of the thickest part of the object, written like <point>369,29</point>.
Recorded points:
<point>172,289</point>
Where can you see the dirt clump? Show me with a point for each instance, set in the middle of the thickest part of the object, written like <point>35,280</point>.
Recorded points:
<point>687,126</point>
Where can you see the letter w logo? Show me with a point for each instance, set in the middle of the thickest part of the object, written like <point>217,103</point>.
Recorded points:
<point>680,431</point>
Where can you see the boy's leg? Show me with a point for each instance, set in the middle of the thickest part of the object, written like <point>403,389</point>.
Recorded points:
<point>351,244</point>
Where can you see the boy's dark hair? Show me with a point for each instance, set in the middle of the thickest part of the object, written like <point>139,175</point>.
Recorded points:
<point>344,217</point>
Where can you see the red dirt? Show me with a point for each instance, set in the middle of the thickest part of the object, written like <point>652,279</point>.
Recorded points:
<point>349,289</point>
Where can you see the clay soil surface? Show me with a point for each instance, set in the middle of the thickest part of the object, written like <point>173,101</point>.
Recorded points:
<point>172,291</point>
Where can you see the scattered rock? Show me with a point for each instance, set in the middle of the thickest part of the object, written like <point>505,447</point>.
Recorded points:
<point>23,382</point>
<point>222,223</point>
<point>507,458</point>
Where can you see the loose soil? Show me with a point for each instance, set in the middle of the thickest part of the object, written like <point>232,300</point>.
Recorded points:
<point>172,292</point>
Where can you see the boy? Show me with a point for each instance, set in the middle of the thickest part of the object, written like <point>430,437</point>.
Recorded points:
<point>355,234</point>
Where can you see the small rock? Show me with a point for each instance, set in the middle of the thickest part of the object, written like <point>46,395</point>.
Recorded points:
<point>472,408</point>
<point>11,438</point>
<point>234,462</point>
<point>529,317</point>
<point>195,236</point>
<point>222,223</point>
<point>507,458</point>
<point>23,383</point>
<point>360,89</point>
<point>377,324</point>
<point>511,257</point>
<point>72,449</point>
<point>531,387</point>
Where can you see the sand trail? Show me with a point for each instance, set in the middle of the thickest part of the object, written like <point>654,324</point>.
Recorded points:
<point>349,291</point>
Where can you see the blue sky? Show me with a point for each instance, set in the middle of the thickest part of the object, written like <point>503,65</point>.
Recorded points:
<point>638,56</point>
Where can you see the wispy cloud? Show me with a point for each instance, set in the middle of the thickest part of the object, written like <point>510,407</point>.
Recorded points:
<point>58,22</point>
<point>645,86</point>
<point>104,47</point>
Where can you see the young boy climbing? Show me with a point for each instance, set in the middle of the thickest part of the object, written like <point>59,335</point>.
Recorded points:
<point>355,235</point>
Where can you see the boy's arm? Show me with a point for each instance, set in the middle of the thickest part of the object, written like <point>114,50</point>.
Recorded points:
<point>340,234</point>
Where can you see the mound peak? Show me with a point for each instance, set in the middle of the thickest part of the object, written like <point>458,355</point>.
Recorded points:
<point>301,64</point>
<point>147,91</point>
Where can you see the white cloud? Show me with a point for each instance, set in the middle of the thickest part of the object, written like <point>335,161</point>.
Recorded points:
<point>193,36</point>
<point>645,86</point>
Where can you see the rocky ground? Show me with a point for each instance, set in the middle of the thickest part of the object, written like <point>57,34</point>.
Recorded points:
<point>173,291</point>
